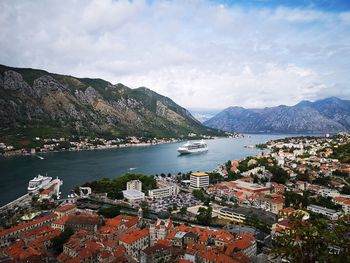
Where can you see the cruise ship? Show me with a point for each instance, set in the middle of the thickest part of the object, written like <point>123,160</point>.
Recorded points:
<point>38,182</point>
<point>195,147</point>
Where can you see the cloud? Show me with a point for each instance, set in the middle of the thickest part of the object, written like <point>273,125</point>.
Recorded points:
<point>201,54</point>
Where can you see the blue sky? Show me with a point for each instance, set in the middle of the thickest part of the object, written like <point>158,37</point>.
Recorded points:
<point>201,53</point>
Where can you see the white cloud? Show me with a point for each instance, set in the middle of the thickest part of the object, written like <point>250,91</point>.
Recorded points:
<point>201,54</point>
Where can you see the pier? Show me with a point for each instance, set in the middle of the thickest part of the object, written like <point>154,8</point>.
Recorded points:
<point>26,199</point>
<point>21,201</point>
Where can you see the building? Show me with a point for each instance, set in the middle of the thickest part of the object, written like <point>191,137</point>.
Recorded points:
<point>134,185</point>
<point>60,223</point>
<point>330,213</point>
<point>240,189</point>
<point>135,240</point>
<point>199,180</point>
<point>133,195</point>
<point>346,206</point>
<point>9,235</point>
<point>156,254</point>
<point>84,246</point>
<point>271,202</point>
<point>88,222</point>
<point>65,210</point>
<point>239,214</point>
<point>163,192</point>
<point>161,228</point>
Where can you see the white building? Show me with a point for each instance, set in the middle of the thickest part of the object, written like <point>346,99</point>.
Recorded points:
<point>199,180</point>
<point>134,185</point>
<point>163,192</point>
<point>133,195</point>
<point>330,213</point>
<point>327,192</point>
<point>346,207</point>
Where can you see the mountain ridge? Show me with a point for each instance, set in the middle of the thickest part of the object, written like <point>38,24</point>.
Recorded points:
<point>32,100</point>
<point>329,115</point>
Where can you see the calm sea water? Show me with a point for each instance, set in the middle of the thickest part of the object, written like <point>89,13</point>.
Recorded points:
<point>75,168</point>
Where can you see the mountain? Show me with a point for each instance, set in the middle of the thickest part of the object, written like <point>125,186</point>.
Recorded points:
<point>38,103</point>
<point>203,114</point>
<point>328,115</point>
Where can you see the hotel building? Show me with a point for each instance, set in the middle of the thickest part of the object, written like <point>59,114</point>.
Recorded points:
<point>199,180</point>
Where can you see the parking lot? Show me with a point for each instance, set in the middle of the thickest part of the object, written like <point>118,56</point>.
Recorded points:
<point>182,199</point>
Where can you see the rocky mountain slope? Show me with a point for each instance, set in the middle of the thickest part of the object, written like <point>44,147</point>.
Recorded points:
<point>36,102</point>
<point>323,116</point>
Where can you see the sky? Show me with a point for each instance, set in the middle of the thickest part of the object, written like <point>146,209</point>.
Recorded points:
<point>202,54</point>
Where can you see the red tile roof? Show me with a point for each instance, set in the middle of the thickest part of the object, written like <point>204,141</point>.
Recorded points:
<point>20,252</point>
<point>65,208</point>
<point>133,235</point>
<point>28,224</point>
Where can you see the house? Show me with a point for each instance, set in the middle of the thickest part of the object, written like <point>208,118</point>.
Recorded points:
<point>65,210</point>
<point>157,253</point>
<point>135,240</point>
<point>161,228</point>
<point>9,235</point>
<point>88,222</point>
<point>330,213</point>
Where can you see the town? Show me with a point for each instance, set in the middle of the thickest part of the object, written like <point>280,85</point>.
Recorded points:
<point>264,208</point>
<point>41,145</point>
<point>38,145</point>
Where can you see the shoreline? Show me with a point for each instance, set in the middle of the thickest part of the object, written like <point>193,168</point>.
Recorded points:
<point>23,152</point>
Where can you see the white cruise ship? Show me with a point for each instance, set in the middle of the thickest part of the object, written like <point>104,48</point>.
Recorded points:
<point>195,147</point>
<point>38,182</point>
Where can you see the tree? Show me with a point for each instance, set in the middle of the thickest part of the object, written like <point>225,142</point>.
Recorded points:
<point>199,194</point>
<point>345,190</point>
<point>110,212</point>
<point>313,241</point>
<point>145,208</point>
<point>204,216</point>
<point>183,210</point>
<point>174,206</point>
<point>295,200</point>
<point>58,242</point>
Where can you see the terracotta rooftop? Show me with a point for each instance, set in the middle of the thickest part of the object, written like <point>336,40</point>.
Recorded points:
<point>86,219</point>
<point>119,220</point>
<point>65,208</point>
<point>133,235</point>
<point>28,224</point>
<point>157,248</point>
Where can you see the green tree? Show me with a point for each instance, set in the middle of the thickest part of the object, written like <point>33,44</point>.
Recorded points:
<point>58,242</point>
<point>183,210</point>
<point>314,241</point>
<point>174,206</point>
<point>110,212</point>
<point>204,216</point>
<point>145,208</point>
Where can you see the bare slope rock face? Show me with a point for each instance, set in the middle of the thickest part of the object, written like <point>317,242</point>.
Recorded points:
<point>329,115</point>
<point>35,101</point>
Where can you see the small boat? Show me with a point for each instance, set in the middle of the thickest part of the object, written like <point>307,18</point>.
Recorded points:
<point>40,157</point>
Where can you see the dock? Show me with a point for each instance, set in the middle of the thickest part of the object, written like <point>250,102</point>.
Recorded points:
<point>26,199</point>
